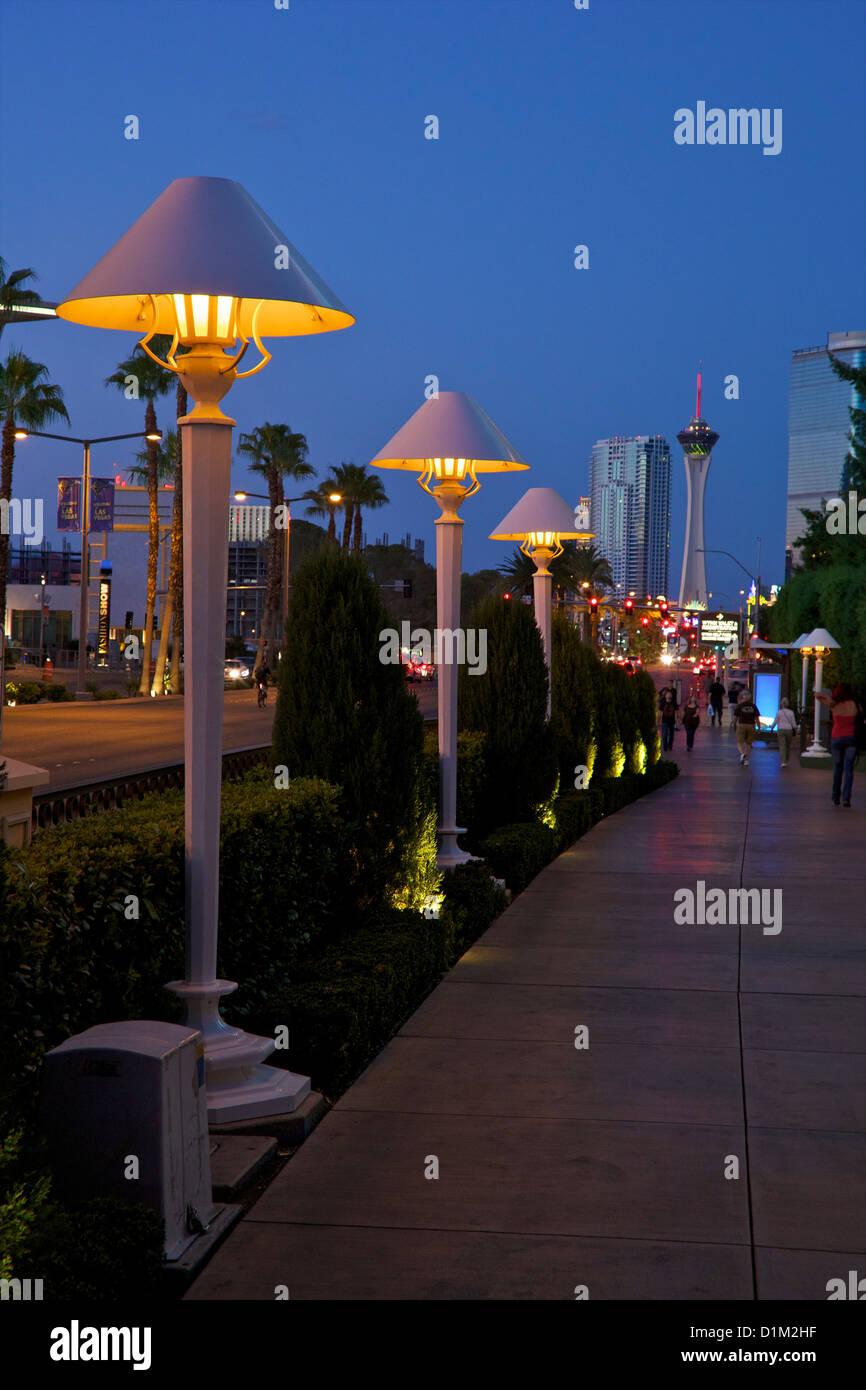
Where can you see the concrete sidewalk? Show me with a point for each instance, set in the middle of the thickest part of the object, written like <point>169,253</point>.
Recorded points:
<point>605,1166</point>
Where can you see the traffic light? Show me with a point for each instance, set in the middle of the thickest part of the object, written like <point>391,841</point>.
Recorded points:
<point>593,605</point>
<point>506,596</point>
<point>644,622</point>
<point>629,605</point>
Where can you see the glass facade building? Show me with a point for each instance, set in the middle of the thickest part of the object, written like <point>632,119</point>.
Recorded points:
<point>630,510</point>
<point>818,425</point>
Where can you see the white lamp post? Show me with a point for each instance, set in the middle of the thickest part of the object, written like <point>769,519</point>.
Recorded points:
<point>205,265</point>
<point>817,644</point>
<point>448,440</point>
<point>540,522</point>
<point>804,669</point>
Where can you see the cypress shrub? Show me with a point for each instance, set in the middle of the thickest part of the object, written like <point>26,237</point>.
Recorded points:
<point>470,772</point>
<point>509,705</point>
<point>576,673</point>
<point>610,690</point>
<point>346,716</point>
<point>645,709</point>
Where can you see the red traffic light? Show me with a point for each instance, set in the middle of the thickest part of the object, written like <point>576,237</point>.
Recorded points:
<point>506,596</point>
<point>593,603</point>
<point>644,622</point>
<point>629,605</point>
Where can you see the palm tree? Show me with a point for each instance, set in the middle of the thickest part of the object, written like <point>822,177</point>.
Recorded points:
<point>344,476</point>
<point>369,492</point>
<point>359,489</point>
<point>166,472</point>
<point>13,291</point>
<point>277,454</point>
<point>26,398</point>
<point>321,504</point>
<point>587,565</point>
<point>153,381</point>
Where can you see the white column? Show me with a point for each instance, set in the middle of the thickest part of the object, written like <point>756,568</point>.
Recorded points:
<point>816,748</point>
<point>238,1086</point>
<point>542,590</point>
<point>449,552</point>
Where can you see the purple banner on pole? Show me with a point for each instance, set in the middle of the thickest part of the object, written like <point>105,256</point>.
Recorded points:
<point>102,504</point>
<point>69,504</point>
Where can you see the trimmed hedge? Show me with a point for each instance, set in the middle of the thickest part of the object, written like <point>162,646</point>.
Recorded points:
<point>350,999</point>
<point>70,957</point>
<point>518,852</point>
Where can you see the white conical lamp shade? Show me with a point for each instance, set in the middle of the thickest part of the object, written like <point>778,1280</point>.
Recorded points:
<point>540,511</point>
<point>451,425</point>
<point>820,637</point>
<point>205,236</point>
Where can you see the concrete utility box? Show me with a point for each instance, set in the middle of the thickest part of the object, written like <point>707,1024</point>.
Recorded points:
<point>16,800</point>
<point>125,1091</point>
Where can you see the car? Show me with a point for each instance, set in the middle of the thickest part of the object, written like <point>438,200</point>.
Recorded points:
<point>236,670</point>
<point>419,670</point>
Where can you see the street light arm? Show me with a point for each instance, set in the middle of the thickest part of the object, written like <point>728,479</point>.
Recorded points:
<point>72,439</point>
<point>730,557</point>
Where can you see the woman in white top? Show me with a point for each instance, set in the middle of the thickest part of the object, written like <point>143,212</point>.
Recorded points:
<point>785,725</point>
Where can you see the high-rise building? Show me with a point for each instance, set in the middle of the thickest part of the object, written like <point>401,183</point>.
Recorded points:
<point>630,510</point>
<point>697,442</point>
<point>818,425</point>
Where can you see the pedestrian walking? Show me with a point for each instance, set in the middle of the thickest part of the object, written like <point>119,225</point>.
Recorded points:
<point>785,725</point>
<point>734,691</point>
<point>717,702</point>
<point>843,738</point>
<point>691,718</point>
<point>669,720</point>
<point>746,716</point>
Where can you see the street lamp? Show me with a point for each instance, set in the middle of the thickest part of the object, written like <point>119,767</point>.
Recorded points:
<point>541,521</point>
<point>41,597</point>
<point>449,440</point>
<point>817,644</point>
<point>206,265</point>
<point>287,502</point>
<point>22,433</point>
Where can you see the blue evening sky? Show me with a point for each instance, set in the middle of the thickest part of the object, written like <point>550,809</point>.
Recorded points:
<point>456,255</point>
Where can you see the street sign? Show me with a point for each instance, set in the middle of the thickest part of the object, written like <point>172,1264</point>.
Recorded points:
<point>719,627</point>
<point>683,645</point>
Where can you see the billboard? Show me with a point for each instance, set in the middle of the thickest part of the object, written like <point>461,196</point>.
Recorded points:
<point>719,629</point>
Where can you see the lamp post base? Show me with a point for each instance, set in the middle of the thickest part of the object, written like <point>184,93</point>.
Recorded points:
<point>816,750</point>
<point>238,1086</point>
<point>449,853</point>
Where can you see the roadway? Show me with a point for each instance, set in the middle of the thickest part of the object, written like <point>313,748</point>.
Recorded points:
<point>91,741</point>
